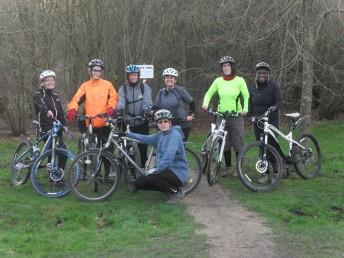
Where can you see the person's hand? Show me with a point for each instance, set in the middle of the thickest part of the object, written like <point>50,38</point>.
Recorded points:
<point>205,108</point>
<point>71,115</point>
<point>50,114</point>
<point>110,111</point>
<point>65,129</point>
<point>146,114</point>
<point>189,118</point>
<point>243,113</point>
<point>272,108</point>
<point>151,171</point>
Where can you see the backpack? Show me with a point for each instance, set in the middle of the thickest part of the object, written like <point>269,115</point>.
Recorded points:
<point>142,87</point>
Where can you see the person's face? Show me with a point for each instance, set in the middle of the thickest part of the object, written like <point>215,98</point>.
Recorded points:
<point>96,72</point>
<point>49,82</point>
<point>262,75</point>
<point>133,77</point>
<point>169,81</point>
<point>164,124</point>
<point>227,69</point>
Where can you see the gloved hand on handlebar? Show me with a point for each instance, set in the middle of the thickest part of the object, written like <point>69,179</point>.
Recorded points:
<point>204,108</point>
<point>110,111</point>
<point>71,115</point>
<point>146,114</point>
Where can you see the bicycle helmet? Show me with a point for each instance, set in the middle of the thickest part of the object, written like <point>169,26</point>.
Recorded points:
<point>96,62</point>
<point>170,71</point>
<point>227,59</point>
<point>47,73</point>
<point>132,69</point>
<point>263,65</point>
<point>162,114</point>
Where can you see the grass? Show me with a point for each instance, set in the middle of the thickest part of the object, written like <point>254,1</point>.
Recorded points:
<point>306,215</point>
<point>127,225</point>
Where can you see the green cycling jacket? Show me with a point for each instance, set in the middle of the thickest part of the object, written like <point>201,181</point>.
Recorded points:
<point>229,94</point>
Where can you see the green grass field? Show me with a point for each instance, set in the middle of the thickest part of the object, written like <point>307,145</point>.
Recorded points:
<point>307,216</point>
<point>127,225</point>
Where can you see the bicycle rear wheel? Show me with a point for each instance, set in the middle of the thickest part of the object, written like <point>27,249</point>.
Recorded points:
<point>257,173</point>
<point>307,162</point>
<point>48,176</point>
<point>96,176</point>
<point>214,164</point>
<point>195,171</point>
<point>21,164</point>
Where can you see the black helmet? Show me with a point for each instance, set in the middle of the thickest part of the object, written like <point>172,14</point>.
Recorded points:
<point>96,62</point>
<point>227,59</point>
<point>263,65</point>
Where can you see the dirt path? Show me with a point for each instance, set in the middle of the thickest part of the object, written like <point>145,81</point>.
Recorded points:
<point>231,230</point>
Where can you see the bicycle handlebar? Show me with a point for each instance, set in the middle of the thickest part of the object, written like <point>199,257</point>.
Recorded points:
<point>86,117</point>
<point>224,114</point>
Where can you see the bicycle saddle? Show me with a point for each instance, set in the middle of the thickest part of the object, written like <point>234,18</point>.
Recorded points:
<point>293,115</point>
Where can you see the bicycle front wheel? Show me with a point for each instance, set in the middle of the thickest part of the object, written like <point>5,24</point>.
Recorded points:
<point>48,173</point>
<point>21,164</point>
<point>94,176</point>
<point>256,172</point>
<point>214,164</point>
<point>195,171</point>
<point>307,162</point>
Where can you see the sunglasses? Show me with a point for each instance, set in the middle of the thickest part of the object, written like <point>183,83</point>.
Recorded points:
<point>262,73</point>
<point>163,121</point>
<point>96,70</point>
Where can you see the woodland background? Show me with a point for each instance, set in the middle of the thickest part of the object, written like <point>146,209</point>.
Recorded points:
<point>303,40</point>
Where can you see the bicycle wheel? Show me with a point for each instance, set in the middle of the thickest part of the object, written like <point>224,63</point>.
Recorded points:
<point>307,162</point>
<point>195,171</point>
<point>255,172</point>
<point>130,173</point>
<point>214,164</point>
<point>96,176</point>
<point>205,155</point>
<point>21,164</point>
<point>49,176</point>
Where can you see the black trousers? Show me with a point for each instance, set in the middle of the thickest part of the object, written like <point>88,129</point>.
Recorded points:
<point>142,129</point>
<point>103,134</point>
<point>165,181</point>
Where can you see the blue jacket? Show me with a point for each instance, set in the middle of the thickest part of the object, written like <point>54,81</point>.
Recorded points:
<point>170,152</point>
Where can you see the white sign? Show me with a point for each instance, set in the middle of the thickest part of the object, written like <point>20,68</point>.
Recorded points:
<point>146,71</point>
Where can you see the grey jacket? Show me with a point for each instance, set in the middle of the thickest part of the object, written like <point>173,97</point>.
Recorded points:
<point>134,103</point>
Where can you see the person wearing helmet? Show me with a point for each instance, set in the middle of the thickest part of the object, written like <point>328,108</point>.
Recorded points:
<point>135,99</point>
<point>233,97</point>
<point>171,171</point>
<point>265,95</point>
<point>98,95</point>
<point>47,103</point>
<point>48,107</point>
<point>177,100</point>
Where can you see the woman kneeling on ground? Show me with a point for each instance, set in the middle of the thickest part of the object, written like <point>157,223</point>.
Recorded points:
<point>172,168</point>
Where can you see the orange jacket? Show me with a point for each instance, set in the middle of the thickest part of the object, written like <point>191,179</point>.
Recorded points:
<point>98,95</point>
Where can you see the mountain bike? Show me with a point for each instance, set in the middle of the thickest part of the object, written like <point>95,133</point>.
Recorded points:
<point>96,186</point>
<point>260,164</point>
<point>47,166</point>
<point>213,147</point>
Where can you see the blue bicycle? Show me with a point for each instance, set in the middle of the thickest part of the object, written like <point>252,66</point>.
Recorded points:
<point>47,166</point>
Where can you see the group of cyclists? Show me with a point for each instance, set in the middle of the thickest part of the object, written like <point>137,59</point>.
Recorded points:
<point>173,110</point>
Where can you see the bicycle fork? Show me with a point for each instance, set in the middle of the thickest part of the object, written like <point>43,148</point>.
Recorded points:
<point>222,146</point>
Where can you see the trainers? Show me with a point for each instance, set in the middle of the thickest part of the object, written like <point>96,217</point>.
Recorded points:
<point>227,172</point>
<point>174,197</point>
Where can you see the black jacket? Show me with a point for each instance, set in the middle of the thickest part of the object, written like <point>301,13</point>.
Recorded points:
<point>263,96</point>
<point>45,100</point>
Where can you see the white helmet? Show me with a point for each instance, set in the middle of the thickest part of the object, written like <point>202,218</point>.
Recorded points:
<point>170,71</point>
<point>47,73</point>
<point>162,114</point>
